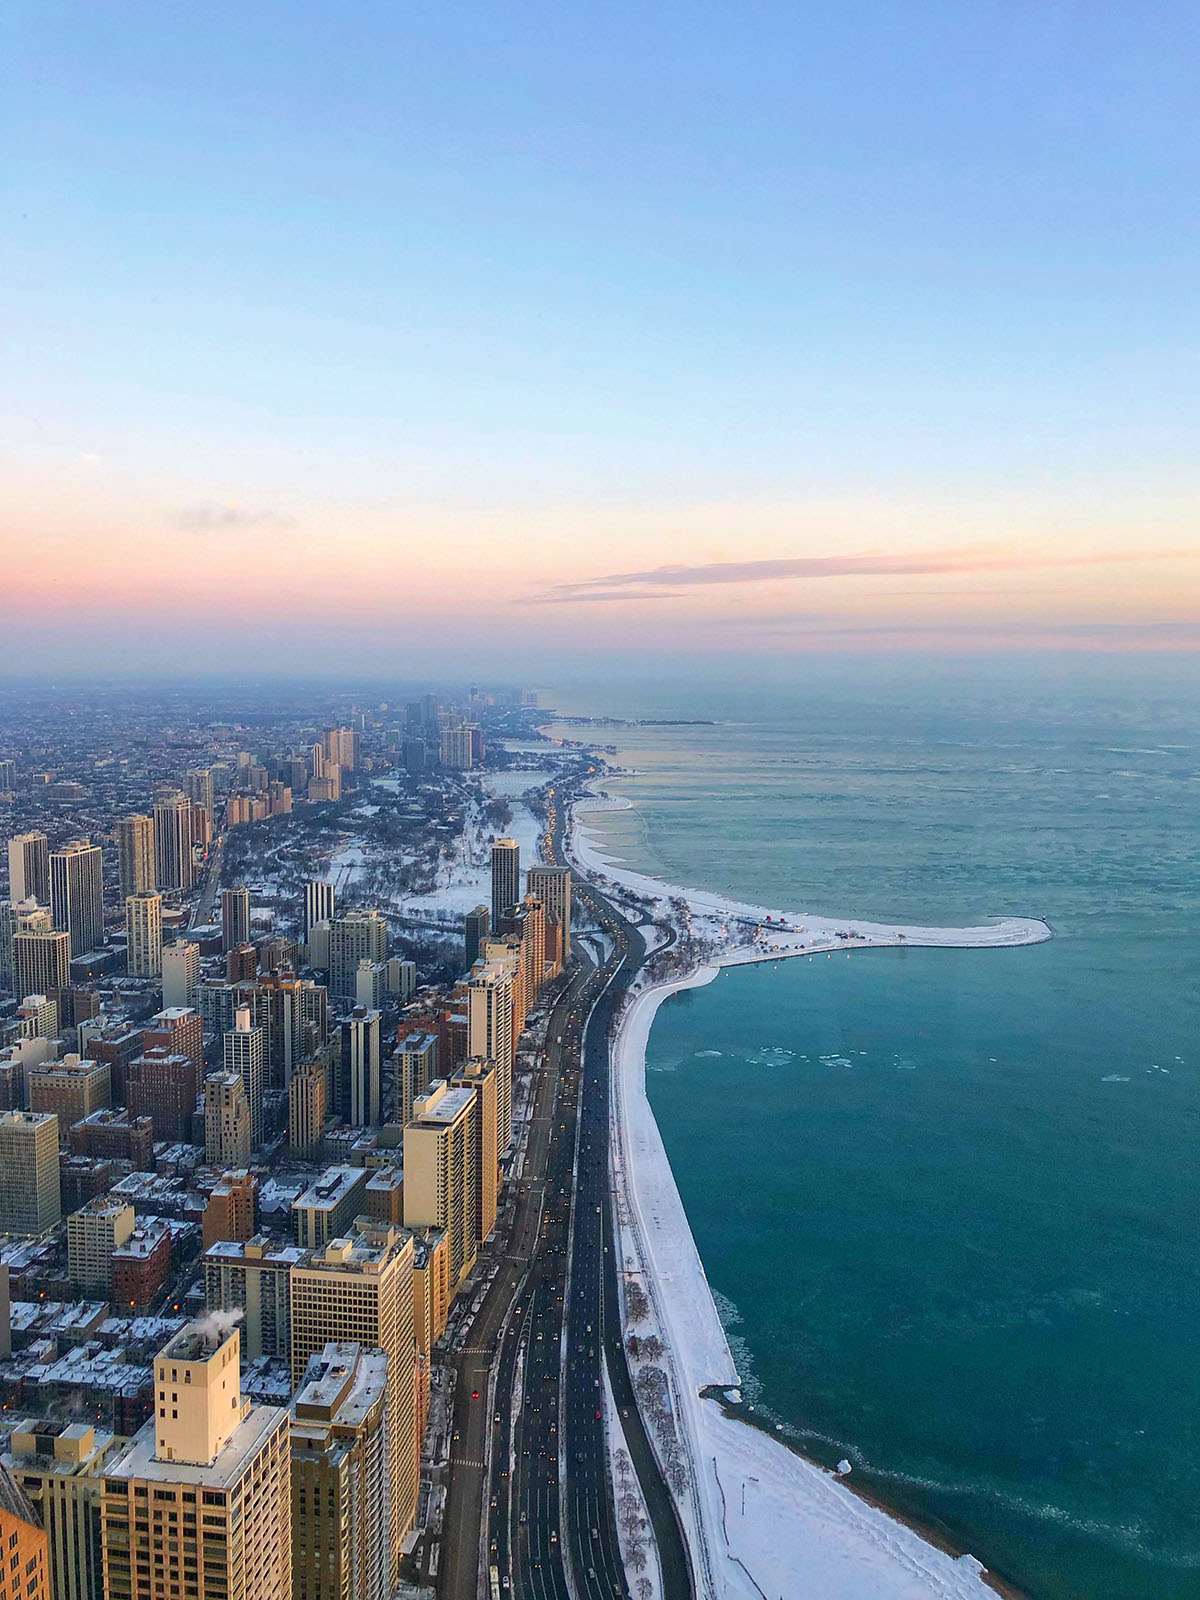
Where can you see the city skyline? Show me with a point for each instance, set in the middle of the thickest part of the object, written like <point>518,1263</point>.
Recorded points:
<point>589,327</point>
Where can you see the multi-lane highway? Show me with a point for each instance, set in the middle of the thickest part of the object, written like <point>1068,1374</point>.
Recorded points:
<point>529,1400</point>
<point>530,1389</point>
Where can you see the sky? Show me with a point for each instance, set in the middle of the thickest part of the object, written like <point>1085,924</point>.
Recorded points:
<point>363,332</point>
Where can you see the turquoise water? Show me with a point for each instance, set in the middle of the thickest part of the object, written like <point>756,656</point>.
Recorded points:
<point>952,1211</point>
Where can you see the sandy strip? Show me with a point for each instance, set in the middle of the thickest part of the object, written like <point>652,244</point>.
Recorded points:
<point>762,1522</point>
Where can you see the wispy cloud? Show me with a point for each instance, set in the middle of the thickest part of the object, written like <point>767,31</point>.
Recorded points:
<point>210,517</point>
<point>813,627</point>
<point>666,582</point>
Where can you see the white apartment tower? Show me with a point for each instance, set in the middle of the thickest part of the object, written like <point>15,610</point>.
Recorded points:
<point>143,933</point>
<point>29,868</point>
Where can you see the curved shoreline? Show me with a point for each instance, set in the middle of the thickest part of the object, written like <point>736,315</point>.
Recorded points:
<point>757,1512</point>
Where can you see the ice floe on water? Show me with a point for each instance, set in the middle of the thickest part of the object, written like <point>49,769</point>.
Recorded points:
<point>773,1056</point>
<point>835,1061</point>
<point>701,1054</point>
<point>1114,1077</point>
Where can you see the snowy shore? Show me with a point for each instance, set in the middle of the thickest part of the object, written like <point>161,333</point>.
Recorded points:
<point>762,1522</point>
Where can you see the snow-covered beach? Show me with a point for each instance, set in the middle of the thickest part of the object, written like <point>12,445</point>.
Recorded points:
<point>762,1521</point>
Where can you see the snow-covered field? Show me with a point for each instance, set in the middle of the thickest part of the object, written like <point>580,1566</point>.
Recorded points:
<point>465,880</point>
<point>762,1521</point>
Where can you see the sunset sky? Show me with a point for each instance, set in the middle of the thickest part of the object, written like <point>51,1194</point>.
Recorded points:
<point>708,329</point>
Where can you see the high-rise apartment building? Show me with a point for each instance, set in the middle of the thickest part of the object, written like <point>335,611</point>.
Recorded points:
<point>227,1140</point>
<point>360,1290</point>
<point>506,879</point>
<point>244,1053</point>
<point>135,854</point>
<point>174,863</point>
<point>342,748</point>
<point>29,867</point>
<point>490,1036</point>
<point>361,1065</point>
<point>307,1094</point>
<point>318,905</point>
<point>61,1466</point>
<point>327,1208</point>
<point>400,978</point>
<point>198,786</point>
<point>23,1541</point>
<point>71,1088</point>
<point>440,1171</point>
<point>253,1276</point>
<point>341,1479</point>
<point>476,925</point>
<point>178,1029</point>
<point>29,1190</point>
<point>200,1503</point>
<point>484,1079</point>
<point>93,1233</point>
<point>552,886</point>
<point>432,1293</point>
<point>37,1017</point>
<point>143,934</point>
<point>230,1213</point>
<point>77,894</point>
<point>458,747</point>
<point>527,924</point>
<point>235,917</point>
<point>41,962</point>
<point>356,936</point>
<point>163,1084</point>
<point>180,973</point>
<point>417,1065</point>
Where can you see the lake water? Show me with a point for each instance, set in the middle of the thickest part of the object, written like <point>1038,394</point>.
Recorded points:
<point>949,1199</point>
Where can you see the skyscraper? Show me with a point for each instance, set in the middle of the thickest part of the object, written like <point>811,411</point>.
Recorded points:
<point>244,1053</point>
<point>77,894</point>
<point>361,1289</point>
<point>490,1036</point>
<point>475,930</point>
<point>201,1500</point>
<point>227,1141</point>
<point>23,1540</point>
<point>440,1174</point>
<point>456,748</point>
<point>135,854</point>
<point>143,932</point>
<point>506,878</point>
<point>483,1078</point>
<point>552,886</point>
<point>29,1190</point>
<point>180,973</point>
<point>235,917</point>
<point>341,1482</point>
<point>356,936</point>
<point>318,905</point>
<point>29,868</point>
<point>61,1468</point>
<point>361,1066</point>
<point>418,1067</point>
<point>307,1094</point>
<point>174,864</point>
<point>198,786</point>
<point>41,962</point>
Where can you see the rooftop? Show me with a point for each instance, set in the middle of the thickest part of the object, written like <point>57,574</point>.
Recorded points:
<point>242,1447</point>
